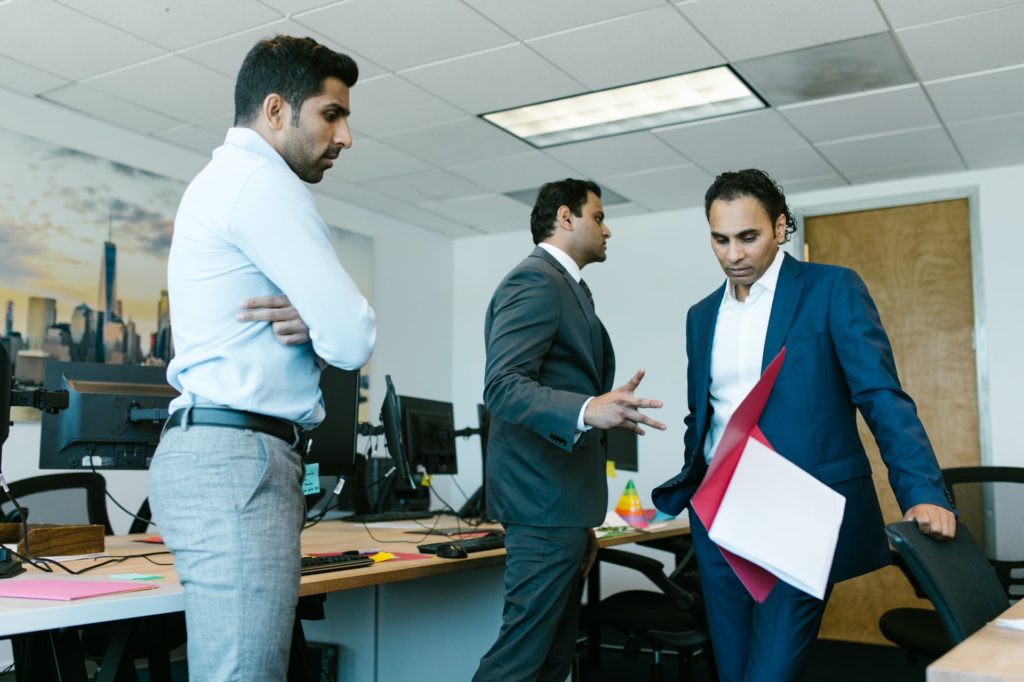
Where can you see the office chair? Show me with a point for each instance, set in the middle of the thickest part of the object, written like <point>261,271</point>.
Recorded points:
<point>77,497</point>
<point>954,575</point>
<point>672,617</point>
<point>920,632</point>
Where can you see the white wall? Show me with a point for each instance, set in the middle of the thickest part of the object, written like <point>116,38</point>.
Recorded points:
<point>660,264</point>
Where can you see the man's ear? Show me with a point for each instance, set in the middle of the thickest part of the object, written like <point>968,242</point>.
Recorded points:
<point>564,217</point>
<point>275,111</point>
<point>780,228</point>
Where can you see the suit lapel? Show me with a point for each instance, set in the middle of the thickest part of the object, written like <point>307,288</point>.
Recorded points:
<point>705,339</point>
<point>597,333</point>
<point>787,295</point>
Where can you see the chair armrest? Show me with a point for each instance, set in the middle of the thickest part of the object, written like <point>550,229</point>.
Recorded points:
<point>653,571</point>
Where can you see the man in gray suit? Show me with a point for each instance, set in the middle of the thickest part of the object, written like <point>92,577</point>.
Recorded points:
<point>549,373</point>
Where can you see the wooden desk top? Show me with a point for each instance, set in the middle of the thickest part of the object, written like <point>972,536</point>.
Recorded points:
<point>992,654</point>
<point>29,615</point>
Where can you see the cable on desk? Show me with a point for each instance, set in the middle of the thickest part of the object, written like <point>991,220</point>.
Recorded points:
<point>42,563</point>
<point>149,522</point>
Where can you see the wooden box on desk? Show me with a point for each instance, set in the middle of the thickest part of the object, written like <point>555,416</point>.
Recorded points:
<point>53,539</point>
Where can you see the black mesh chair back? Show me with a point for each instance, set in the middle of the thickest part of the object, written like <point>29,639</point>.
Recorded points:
<point>955,576</point>
<point>76,497</point>
<point>990,500</point>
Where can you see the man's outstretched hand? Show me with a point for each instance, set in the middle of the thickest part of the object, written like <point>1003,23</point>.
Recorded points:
<point>620,408</point>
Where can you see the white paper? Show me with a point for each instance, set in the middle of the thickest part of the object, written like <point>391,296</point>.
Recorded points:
<point>1012,623</point>
<point>781,518</point>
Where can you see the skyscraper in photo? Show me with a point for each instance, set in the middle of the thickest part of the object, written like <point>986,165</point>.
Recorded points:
<point>42,312</point>
<point>108,281</point>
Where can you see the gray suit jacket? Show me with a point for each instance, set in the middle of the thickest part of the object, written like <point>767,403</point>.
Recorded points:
<point>546,354</point>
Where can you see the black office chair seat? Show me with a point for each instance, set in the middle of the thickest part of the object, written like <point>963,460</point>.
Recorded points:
<point>644,613</point>
<point>916,630</point>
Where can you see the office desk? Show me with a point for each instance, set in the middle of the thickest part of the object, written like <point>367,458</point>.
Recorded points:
<point>991,654</point>
<point>389,619</point>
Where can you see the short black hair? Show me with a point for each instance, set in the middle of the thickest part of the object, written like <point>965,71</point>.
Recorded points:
<point>294,68</point>
<point>755,183</point>
<point>569,192</point>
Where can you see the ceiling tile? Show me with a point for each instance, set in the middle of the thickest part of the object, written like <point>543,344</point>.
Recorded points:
<point>989,136</point>
<point>867,155</point>
<point>174,25</point>
<point>463,141</point>
<point>190,136</point>
<point>415,215</point>
<point>390,104</point>
<point>990,40</point>
<point>850,66</point>
<point>485,210</point>
<point>514,172</point>
<point>1009,158</point>
<point>791,187</point>
<point>617,155</point>
<point>64,42</point>
<point>732,137</point>
<point>663,189</point>
<point>789,164</point>
<point>398,34</point>
<point>218,124</point>
<point>27,80</point>
<point>225,55</point>
<point>532,18</point>
<point>532,79</point>
<point>295,6</point>
<point>109,108</point>
<point>742,29</point>
<point>425,187</point>
<point>883,174</point>
<point>981,95</point>
<point>173,86</point>
<point>867,114</point>
<point>638,47</point>
<point>369,159</point>
<point>903,13</point>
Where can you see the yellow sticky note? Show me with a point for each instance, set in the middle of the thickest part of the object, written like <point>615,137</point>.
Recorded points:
<point>425,481</point>
<point>382,556</point>
<point>610,465</point>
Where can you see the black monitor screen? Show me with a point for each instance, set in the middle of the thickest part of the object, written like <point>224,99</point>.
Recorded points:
<point>428,428</point>
<point>113,419</point>
<point>622,449</point>
<point>390,418</point>
<point>334,440</point>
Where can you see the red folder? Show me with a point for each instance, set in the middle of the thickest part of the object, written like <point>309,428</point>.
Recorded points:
<point>742,426</point>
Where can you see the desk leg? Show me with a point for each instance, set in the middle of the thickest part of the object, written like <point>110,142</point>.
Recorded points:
<point>593,627</point>
<point>116,665</point>
<point>54,654</point>
<point>297,671</point>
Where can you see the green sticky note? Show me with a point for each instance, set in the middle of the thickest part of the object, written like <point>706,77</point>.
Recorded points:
<point>136,576</point>
<point>311,483</point>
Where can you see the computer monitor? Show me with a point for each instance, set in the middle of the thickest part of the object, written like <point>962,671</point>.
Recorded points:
<point>621,447</point>
<point>5,394</point>
<point>428,432</point>
<point>113,419</point>
<point>390,419</point>
<point>334,440</point>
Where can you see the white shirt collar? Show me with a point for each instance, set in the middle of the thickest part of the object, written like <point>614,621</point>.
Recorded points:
<point>251,141</point>
<point>769,280</point>
<point>564,259</point>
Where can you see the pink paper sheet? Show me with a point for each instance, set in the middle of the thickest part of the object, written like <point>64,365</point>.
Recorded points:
<point>66,590</point>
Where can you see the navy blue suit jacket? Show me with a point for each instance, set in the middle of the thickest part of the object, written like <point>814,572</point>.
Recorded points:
<point>838,360</point>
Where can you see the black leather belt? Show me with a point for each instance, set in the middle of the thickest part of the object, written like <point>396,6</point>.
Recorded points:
<point>238,419</point>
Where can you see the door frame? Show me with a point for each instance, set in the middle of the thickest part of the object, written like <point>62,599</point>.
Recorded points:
<point>971,193</point>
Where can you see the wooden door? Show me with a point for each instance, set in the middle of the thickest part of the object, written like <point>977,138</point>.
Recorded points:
<point>916,261</point>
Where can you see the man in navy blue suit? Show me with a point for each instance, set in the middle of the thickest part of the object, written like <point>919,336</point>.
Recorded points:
<point>838,360</point>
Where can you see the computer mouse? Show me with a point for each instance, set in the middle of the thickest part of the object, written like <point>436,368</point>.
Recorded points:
<point>452,550</point>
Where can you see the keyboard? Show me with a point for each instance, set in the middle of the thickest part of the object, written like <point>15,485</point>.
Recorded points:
<point>335,562</point>
<point>388,516</point>
<point>493,540</point>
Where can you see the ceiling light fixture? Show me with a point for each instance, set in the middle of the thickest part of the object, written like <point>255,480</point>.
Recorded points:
<point>641,106</point>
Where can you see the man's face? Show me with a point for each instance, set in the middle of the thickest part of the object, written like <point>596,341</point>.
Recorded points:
<point>589,233</point>
<point>744,239</point>
<point>311,146</point>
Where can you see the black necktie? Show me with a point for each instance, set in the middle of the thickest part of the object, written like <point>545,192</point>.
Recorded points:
<point>586,290</point>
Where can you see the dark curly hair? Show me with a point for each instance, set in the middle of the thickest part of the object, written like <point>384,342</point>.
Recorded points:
<point>294,68</point>
<point>569,192</point>
<point>755,183</point>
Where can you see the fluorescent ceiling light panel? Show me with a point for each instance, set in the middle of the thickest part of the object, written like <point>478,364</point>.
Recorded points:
<point>651,104</point>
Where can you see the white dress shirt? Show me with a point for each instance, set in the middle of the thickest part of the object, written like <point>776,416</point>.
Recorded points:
<point>566,261</point>
<point>738,348</point>
<point>247,226</point>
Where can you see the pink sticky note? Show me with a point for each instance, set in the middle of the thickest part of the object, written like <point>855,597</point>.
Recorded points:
<point>66,590</point>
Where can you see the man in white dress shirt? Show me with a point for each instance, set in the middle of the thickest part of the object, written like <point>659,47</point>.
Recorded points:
<point>225,484</point>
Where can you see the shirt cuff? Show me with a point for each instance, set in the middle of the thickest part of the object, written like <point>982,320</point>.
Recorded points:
<point>580,426</point>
